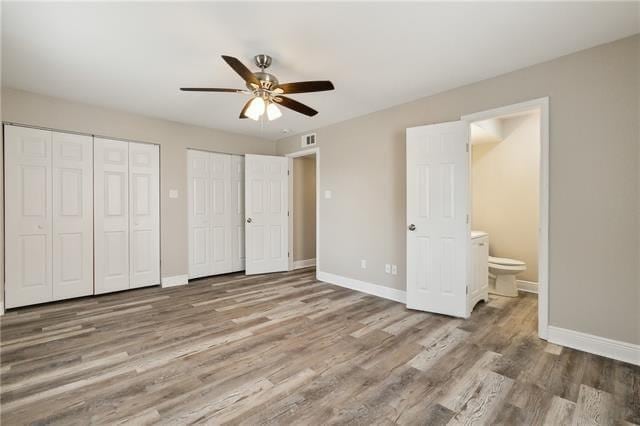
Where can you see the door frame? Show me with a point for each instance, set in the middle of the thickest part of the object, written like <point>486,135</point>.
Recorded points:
<point>542,104</point>
<point>304,153</point>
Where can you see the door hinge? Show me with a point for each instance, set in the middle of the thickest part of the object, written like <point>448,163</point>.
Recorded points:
<point>288,254</point>
<point>467,288</point>
<point>467,146</point>
<point>288,172</point>
<point>467,218</point>
<point>288,213</point>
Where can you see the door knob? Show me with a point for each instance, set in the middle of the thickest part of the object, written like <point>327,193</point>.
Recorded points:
<point>40,226</point>
<point>249,220</point>
<point>412,227</point>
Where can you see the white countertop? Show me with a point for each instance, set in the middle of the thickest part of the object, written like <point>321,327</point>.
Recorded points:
<point>478,234</point>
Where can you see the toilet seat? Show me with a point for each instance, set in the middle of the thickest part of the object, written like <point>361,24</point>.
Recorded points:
<point>505,265</point>
<point>505,261</point>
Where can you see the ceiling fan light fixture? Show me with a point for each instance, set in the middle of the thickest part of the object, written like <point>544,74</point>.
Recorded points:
<point>256,108</point>
<point>273,112</point>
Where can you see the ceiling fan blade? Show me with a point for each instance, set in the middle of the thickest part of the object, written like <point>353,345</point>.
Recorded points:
<point>243,71</point>
<point>210,89</point>
<point>306,86</point>
<point>244,109</point>
<point>296,106</point>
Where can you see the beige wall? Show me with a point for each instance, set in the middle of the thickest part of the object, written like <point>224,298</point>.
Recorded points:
<point>505,196</point>
<point>304,207</point>
<point>1,212</point>
<point>173,138</point>
<point>594,179</point>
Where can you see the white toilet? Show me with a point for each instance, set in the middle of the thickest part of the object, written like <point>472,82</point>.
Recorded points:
<point>502,275</point>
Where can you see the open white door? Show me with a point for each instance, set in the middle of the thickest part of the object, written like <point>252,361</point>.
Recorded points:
<point>437,218</point>
<point>266,203</point>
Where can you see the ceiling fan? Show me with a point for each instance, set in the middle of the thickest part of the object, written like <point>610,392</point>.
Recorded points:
<point>266,90</point>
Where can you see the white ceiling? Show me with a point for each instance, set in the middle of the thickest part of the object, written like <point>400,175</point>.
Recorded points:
<point>134,56</point>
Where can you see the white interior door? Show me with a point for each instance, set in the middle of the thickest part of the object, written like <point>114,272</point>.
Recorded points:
<point>437,218</point>
<point>237,212</point>
<point>266,201</point>
<point>111,215</point>
<point>28,216</point>
<point>221,212</point>
<point>144,217</point>
<point>72,215</point>
<point>199,211</point>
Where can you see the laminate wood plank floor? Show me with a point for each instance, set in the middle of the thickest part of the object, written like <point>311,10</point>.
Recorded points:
<point>287,349</point>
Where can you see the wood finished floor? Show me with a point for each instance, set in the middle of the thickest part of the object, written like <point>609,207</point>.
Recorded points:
<point>287,349</point>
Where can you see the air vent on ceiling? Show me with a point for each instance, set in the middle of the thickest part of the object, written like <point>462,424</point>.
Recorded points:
<point>309,140</point>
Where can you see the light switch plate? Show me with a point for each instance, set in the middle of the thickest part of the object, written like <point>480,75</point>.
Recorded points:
<point>173,193</point>
<point>387,268</point>
<point>363,264</point>
<point>327,194</point>
<point>394,269</point>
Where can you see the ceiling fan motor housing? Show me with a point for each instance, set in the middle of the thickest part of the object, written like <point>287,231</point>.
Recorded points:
<point>267,81</point>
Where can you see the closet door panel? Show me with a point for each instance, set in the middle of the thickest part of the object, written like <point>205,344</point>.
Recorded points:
<point>237,212</point>
<point>199,165</point>
<point>111,215</point>
<point>144,225</point>
<point>221,212</point>
<point>72,215</point>
<point>28,216</point>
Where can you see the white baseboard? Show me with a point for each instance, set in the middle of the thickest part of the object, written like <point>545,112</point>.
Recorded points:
<point>528,286</point>
<point>175,280</point>
<point>609,348</point>
<point>364,287</point>
<point>297,264</point>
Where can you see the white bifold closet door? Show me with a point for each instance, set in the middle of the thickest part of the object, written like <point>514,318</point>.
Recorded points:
<point>237,213</point>
<point>199,211</point>
<point>111,215</point>
<point>126,215</point>
<point>48,238</point>
<point>72,215</point>
<point>144,214</point>
<point>214,209</point>
<point>221,213</point>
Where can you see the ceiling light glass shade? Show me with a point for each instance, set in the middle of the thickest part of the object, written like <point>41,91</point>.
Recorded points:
<point>273,112</point>
<point>256,108</point>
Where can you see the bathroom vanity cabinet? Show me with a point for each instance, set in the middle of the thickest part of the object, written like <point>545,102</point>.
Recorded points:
<point>479,282</point>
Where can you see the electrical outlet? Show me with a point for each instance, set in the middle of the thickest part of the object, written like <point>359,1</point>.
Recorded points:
<point>363,264</point>
<point>387,268</point>
<point>394,269</point>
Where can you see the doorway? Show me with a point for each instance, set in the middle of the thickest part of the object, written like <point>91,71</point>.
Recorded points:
<point>440,259</point>
<point>303,208</point>
<point>521,117</point>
